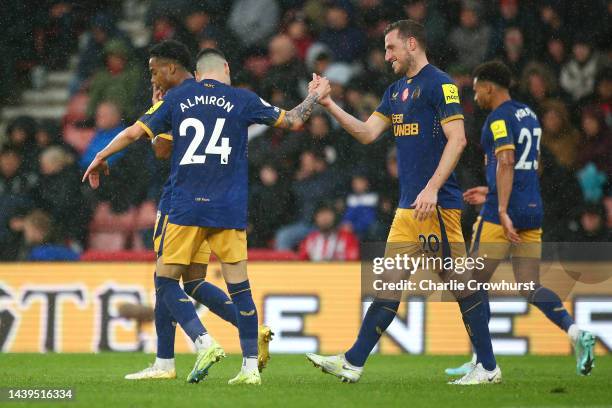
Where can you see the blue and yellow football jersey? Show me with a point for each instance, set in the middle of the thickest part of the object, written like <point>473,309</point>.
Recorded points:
<point>513,125</point>
<point>209,168</point>
<point>163,206</point>
<point>416,108</point>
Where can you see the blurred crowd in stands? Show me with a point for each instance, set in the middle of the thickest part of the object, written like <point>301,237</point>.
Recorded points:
<point>317,190</point>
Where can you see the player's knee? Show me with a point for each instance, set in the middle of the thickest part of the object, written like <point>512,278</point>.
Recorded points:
<point>173,271</point>
<point>385,304</point>
<point>195,272</point>
<point>161,283</point>
<point>234,272</point>
<point>191,286</point>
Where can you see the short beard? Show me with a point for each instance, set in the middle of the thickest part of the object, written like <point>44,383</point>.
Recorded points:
<point>410,63</point>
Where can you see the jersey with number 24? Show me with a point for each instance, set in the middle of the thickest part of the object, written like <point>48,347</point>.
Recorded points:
<point>209,167</point>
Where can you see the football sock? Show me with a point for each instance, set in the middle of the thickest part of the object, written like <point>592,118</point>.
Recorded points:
<point>180,306</point>
<point>164,363</point>
<point>473,312</point>
<point>203,341</point>
<point>485,301</point>
<point>164,328</point>
<point>249,364</point>
<point>379,316</point>
<point>246,316</point>
<point>549,303</point>
<point>213,298</point>
<point>573,332</point>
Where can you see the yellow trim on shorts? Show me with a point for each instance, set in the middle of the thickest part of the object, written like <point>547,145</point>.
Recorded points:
<point>495,244</point>
<point>157,239</point>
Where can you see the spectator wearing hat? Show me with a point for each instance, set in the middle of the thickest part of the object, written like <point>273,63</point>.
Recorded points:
<point>91,57</point>
<point>117,82</point>
<point>471,38</point>
<point>578,74</point>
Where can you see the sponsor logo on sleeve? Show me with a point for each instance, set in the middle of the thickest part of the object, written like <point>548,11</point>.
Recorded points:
<point>499,130</point>
<point>451,93</point>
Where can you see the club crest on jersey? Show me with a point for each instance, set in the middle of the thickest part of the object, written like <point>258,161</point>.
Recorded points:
<point>405,95</point>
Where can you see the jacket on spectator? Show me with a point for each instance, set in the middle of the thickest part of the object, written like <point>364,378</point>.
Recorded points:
<point>340,245</point>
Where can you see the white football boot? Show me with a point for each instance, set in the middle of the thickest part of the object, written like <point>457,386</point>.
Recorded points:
<point>479,375</point>
<point>336,365</point>
<point>152,373</point>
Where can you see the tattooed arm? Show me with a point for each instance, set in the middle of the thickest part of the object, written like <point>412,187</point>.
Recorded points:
<point>296,117</point>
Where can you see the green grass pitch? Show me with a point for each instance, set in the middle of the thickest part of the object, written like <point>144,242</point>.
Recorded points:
<point>291,381</point>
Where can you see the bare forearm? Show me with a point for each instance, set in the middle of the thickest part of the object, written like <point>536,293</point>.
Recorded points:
<point>448,161</point>
<point>296,117</point>
<point>355,127</point>
<point>125,138</point>
<point>162,148</point>
<point>504,177</point>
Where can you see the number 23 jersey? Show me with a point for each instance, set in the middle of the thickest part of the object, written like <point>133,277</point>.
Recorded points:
<point>514,126</point>
<point>209,167</point>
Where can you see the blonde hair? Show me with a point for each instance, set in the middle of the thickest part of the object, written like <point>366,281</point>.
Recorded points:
<point>56,154</point>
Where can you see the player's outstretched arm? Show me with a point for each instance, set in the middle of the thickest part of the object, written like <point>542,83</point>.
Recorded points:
<point>125,138</point>
<point>364,132</point>
<point>296,117</point>
<point>426,201</point>
<point>504,176</point>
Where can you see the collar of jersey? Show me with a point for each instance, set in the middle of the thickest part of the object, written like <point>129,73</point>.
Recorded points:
<point>210,80</point>
<point>418,73</point>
